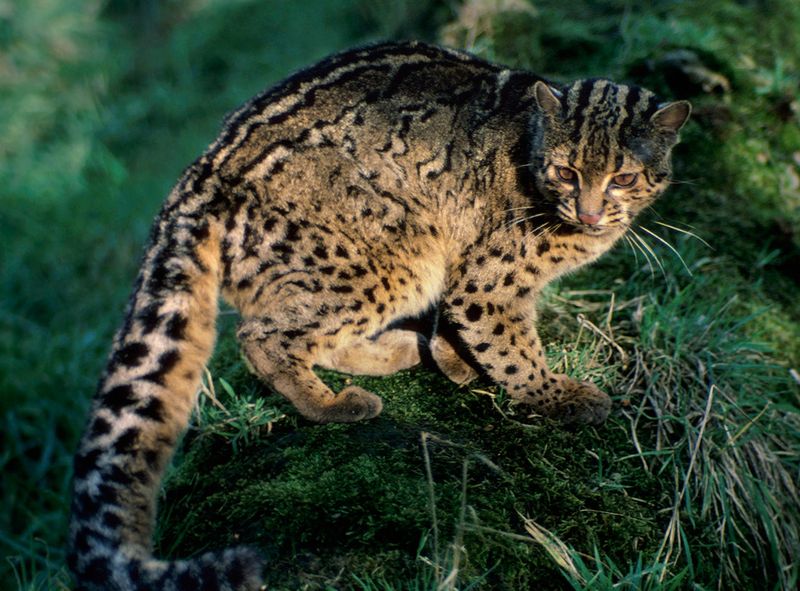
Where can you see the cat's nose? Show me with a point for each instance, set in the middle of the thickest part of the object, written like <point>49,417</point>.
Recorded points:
<point>590,219</point>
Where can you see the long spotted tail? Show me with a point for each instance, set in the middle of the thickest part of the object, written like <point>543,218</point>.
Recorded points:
<point>142,406</point>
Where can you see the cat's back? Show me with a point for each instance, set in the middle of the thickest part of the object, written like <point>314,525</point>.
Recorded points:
<point>360,95</point>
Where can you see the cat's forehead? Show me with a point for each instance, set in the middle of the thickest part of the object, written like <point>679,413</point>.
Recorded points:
<point>598,102</point>
<point>600,119</point>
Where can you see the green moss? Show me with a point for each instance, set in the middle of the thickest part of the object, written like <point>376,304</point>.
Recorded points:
<point>347,495</point>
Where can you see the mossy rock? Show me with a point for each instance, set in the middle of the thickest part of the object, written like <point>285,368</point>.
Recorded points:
<point>320,500</point>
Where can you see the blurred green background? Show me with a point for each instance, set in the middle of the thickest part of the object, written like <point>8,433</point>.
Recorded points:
<point>691,484</point>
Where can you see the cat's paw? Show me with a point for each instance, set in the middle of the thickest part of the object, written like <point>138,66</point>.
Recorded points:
<point>450,363</point>
<point>352,404</point>
<point>581,402</point>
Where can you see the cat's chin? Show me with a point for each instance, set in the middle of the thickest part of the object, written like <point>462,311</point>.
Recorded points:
<point>595,230</point>
<point>580,228</point>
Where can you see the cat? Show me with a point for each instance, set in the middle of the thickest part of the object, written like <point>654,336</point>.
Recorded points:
<point>375,185</point>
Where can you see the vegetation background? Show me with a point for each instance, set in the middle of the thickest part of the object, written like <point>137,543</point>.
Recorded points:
<point>693,327</point>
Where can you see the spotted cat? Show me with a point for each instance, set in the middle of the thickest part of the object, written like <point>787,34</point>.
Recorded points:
<point>378,184</point>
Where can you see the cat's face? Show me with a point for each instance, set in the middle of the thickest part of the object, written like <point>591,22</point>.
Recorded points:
<point>601,151</point>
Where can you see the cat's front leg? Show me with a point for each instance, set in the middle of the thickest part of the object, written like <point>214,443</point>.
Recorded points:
<point>501,335</point>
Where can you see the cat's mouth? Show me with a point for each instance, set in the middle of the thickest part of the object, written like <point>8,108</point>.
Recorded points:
<point>597,229</point>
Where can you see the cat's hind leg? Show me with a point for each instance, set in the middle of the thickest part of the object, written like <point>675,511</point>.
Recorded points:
<point>284,359</point>
<point>382,355</point>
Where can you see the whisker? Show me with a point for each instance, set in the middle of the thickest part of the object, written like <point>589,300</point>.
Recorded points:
<point>519,220</point>
<point>672,248</point>
<point>684,231</point>
<point>521,207</point>
<point>682,182</point>
<point>647,258</point>
<point>633,250</point>
<point>536,231</point>
<point>650,250</point>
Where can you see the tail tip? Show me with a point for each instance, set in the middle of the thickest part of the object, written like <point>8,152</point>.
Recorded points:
<point>242,566</point>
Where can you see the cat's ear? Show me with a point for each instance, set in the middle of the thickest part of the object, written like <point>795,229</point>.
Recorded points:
<point>672,116</point>
<point>548,98</point>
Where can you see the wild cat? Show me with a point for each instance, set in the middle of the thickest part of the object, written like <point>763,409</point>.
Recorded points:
<point>369,188</point>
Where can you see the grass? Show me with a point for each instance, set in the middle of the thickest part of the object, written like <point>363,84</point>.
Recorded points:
<point>692,484</point>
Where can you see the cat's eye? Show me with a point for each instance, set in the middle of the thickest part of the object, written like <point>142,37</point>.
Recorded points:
<point>566,174</point>
<point>625,180</point>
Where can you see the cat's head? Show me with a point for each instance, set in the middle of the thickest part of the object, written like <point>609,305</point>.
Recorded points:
<point>601,151</point>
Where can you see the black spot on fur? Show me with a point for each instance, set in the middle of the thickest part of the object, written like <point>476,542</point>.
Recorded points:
<point>187,581</point>
<point>542,247</point>
<point>97,572</point>
<point>523,291</point>
<point>151,457</point>
<point>81,542</point>
<point>176,327</point>
<point>370,293</point>
<point>235,573</point>
<point>99,427</point>
<point>499,329</point>
<point>166,362</point>
<point>153,410</point>
<point>118,397</point>
<point>201,231</point>
<point>149,318</point>
<point>292,232</point>
<point>341,251</point>
<point>283,249</point>
<point>131,355</point>
<point>85,506</point>
<point>458,302</point>
<point>208,578</point>
<point>85,463</point>
<point>508,279</point>
<point>471,287</point>
<point>474,312</point>
<point>341,289</point>
<point>127,441</point>
<point>380,308</point>
<point>481,347</point>
<point>511,369</point>
<point>118,476</point>
<point>111,520</point>
<point>107,495</point>
<point>321,252</point>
